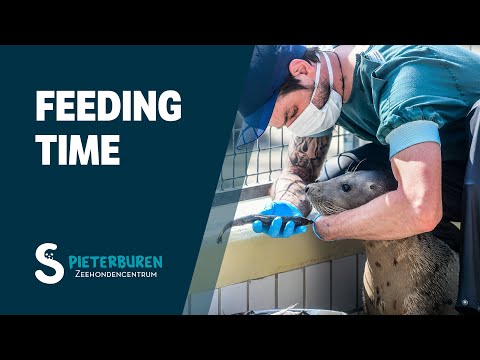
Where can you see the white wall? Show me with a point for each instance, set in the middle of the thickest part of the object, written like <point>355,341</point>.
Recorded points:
<point>333,285</point>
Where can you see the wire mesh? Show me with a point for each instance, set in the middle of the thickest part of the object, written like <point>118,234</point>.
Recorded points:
<point>267,157</point>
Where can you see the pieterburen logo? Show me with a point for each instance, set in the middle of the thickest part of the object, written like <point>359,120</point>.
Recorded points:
<point>97,266</point>
<point>44,256</point>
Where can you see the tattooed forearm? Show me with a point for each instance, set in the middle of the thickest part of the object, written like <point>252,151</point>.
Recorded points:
<point>304,162</point>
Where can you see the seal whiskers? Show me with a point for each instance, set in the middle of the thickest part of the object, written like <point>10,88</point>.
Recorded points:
<point>328,208</point>
<point>415,275</point>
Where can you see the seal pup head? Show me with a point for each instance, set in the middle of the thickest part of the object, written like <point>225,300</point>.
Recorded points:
<point>349,191</point>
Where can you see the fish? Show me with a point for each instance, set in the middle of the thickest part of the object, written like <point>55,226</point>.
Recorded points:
<point>266,220</point>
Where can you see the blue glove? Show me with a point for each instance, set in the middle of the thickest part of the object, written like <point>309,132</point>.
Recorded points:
<point>280,208</point>
<point>313,226</point>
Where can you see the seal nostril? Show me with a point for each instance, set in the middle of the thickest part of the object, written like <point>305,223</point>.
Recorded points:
<point>307,188</point>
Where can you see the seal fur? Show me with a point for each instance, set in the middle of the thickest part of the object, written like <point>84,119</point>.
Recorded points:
<point>417,275</point>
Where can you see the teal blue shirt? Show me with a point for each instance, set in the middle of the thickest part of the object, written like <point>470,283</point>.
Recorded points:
<point>406,95</point>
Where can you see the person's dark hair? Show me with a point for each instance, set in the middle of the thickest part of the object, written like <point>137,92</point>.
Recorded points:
<point>291,84</point>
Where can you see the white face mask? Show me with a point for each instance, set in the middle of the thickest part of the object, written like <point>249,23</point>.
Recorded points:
<point>313,121</point>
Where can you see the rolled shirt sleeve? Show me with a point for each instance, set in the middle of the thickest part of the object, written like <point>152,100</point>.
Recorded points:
<point>413,94</point>
<point>412,133</point>
<point>415,99</point>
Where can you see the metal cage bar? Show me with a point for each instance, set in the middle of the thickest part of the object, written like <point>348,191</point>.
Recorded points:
<point>241,179</point>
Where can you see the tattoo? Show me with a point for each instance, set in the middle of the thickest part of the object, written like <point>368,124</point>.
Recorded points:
<point>304,162</point>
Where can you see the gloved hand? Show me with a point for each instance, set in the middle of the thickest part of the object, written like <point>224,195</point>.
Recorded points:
<point>280,208</point>
<point>313,226</point>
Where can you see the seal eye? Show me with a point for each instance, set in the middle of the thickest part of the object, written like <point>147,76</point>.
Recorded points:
<point>372,187</point>
<point>346,187</point>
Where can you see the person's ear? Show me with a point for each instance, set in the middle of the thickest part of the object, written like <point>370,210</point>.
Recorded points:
<point>300,67</point>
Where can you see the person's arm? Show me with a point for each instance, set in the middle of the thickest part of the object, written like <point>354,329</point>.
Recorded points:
<point>304,162</point>
<point>414,208</point>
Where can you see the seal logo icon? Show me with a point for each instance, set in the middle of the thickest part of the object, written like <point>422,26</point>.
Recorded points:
<point>44,256</point>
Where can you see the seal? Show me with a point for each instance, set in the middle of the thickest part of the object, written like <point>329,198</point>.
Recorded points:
<point>417,275</point>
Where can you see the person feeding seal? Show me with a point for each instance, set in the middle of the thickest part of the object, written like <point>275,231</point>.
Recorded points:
<point>413,103</point>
